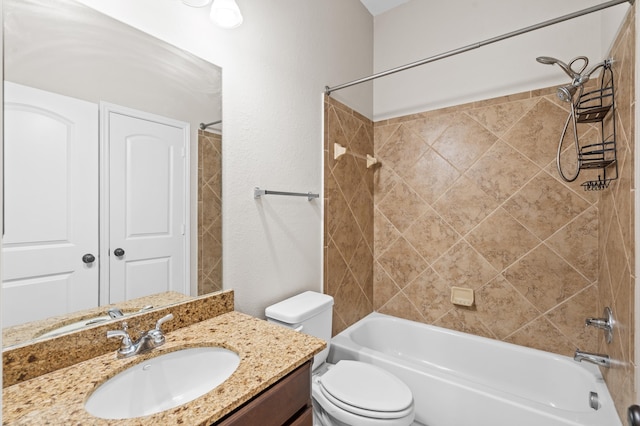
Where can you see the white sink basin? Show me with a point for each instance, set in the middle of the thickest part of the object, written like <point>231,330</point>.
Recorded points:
<point>162,383</point>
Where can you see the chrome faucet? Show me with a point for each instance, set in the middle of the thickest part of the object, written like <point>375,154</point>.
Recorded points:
<point>149,340</point>
<point>115,313</point>
<point>605,324</point>
<point>598,359</point>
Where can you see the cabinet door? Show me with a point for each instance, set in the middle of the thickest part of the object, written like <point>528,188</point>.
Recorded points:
<point>148,201</point>
<point>50,205</point>
<point>287,402</point>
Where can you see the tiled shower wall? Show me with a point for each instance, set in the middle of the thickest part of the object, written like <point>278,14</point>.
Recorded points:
<point>348,251</point>
<point>469,196</point>
<point>616,249</point>
<point>209,212</point>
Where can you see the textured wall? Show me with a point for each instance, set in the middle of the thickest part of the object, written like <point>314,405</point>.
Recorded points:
<point>348,242</point>
<point>616,229</point>
<point>209,212</point>
<point>469,196</point>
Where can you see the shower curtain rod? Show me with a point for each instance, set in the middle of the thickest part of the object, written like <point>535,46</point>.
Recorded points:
<point>205,125</point>
<point>328,90</point>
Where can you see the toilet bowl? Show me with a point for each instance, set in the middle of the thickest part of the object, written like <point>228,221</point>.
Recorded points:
<point>356,393</point>
<point>350,393</point>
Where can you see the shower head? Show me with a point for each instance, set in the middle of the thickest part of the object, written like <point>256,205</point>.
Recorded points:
<point>547,60</point>
<point>567,68</point>
<point>566,93</point>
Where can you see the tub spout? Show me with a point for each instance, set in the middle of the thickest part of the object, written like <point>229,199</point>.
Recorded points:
<point>598,359</point>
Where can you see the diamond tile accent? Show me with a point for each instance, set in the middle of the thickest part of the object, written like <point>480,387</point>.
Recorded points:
<point>544,278</point>
<point>430,294</point>
<point>463,142</point>
<point>431,236</point>
<point>429,130</point>
<point>577,243</point>
<point>502,171</point>
<point>499,118</point>
<point>430,176</point>
<point>501,240</point>
<point>402,206</point>
<point>402,150</point>
<point>569,317</point>
<point>465,205</point>
<point>544,205</point>
<point>462,266</point>
<point>537,134</point>
<point>542,334</point>
<point>402,263</point>
<point>400,306</point>
<point>502,309</point>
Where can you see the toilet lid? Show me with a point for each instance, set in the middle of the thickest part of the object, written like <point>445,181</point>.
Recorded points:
<point>366,387</point>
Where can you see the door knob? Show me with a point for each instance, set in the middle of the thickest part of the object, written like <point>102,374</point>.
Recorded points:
<point>118,252</point>
<point>88,258</point>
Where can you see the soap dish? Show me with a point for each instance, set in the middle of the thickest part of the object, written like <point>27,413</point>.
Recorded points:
<point>462,296</point>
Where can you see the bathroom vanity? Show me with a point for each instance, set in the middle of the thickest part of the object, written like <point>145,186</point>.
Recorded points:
<point>272,382</point>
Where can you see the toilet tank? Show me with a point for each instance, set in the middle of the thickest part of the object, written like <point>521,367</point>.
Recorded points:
<point>309,312</point>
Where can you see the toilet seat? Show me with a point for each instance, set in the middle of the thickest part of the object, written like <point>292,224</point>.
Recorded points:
<point>366,390</point>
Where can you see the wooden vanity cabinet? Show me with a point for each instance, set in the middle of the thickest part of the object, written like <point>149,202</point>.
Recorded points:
<point>288,402</point>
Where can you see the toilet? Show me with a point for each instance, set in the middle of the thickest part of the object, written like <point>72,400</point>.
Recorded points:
<point>350,393</point>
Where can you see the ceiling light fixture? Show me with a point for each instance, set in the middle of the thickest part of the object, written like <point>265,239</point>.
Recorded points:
<point>196,3</point>
<point>226,14</point>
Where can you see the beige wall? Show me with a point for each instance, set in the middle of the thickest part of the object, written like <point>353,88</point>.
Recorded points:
<point>348,241</point>
<point>616,251</point>
<point>469,197</point>
<point>209,212</point>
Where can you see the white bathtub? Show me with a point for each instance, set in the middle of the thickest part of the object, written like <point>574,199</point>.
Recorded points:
<point>459,379</point>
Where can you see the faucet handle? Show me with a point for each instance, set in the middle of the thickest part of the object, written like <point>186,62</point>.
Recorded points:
<point>156,334</point>
<point>162,320</point>
<point>126,346</point>
<point>605,323</point>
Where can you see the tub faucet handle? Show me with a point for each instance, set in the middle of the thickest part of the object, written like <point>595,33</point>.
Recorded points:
<point>605,323</point>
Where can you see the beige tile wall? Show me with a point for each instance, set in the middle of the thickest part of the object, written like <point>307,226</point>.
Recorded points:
<point>470,196</point>
<point>209,212</point>
<point>616,229</point>
<point>348,251</point>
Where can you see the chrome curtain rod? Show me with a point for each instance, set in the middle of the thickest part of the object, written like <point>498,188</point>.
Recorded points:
<point>328,90</point>
<point>205,125</point>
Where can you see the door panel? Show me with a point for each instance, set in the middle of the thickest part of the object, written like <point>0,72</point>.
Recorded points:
<point>147,276</point>
<point>147,198</point>
<point>50,204</point>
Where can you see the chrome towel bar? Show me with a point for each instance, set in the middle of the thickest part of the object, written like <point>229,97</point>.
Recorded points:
<point>257,193</point>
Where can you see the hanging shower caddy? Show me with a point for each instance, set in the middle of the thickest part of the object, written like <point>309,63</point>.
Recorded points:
<point>595,107</point>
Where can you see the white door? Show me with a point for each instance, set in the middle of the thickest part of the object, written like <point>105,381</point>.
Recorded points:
<point>147,205</point>
<point>50,205</point>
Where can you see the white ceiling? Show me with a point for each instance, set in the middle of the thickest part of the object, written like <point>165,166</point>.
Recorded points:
<point>376,7</point>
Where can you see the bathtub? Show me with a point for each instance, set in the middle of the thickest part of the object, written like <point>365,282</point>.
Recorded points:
<point>459,379</point>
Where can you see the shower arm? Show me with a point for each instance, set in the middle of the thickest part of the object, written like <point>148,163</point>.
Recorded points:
<point>328,90</point>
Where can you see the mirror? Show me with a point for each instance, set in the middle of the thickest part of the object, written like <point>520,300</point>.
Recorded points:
<point>66,48</point>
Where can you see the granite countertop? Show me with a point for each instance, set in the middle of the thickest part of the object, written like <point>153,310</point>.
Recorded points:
<point>267,353</point>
